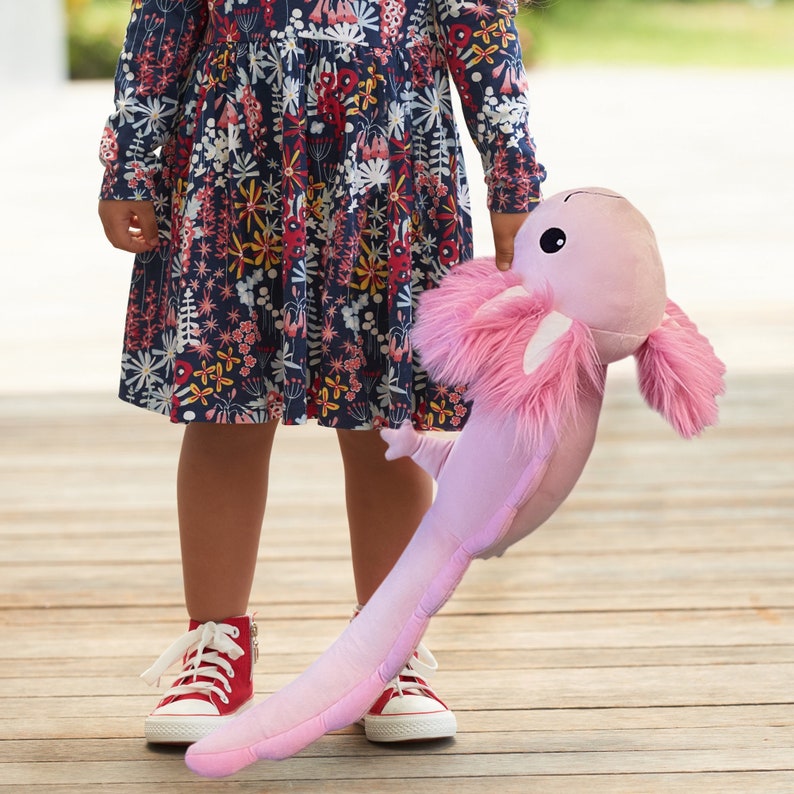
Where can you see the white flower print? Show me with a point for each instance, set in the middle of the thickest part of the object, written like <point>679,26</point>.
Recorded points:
<point>153,114</point>
<point>141,370</point>
<point>351,313</point>
<point>291,94</point>
<point>168,351</point>
<point>126,106</point>
<point>160,398</point>
<point>367,15</point>
<point>244,167</point>
<point>372,174</point>
<point>245,288</point>
<point>427,109</point>
<point>396,119</point>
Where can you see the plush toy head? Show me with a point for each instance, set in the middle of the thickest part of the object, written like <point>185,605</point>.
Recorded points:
<point>599,256</point>
<point>586,288</point>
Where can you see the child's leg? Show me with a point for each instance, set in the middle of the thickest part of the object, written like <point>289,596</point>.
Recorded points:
<point>385,503</point>
<point>221,495</point>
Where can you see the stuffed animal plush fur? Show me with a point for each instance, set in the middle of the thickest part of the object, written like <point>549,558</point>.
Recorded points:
<point>532,344</point>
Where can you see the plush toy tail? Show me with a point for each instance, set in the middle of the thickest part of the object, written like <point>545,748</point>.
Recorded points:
<point>481,489</point>
<point>679,374</point>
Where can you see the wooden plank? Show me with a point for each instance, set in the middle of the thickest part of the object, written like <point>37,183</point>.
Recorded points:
<point>702,783</point>
<point>618,574</point>
<point>364,767</point>
<point>116,663</point>
<point>530,739</point>
<point>630,629</point>
<point>77,726</point>
<point>91,537</point>
<point>601,688</point>
<point>351,743</point>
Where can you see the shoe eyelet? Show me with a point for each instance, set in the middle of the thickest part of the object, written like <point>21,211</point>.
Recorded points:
<point>224,699</point>
<point>235,632</point>
<point>231,674</point>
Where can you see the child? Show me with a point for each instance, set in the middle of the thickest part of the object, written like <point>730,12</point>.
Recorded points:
<point>289,176</point>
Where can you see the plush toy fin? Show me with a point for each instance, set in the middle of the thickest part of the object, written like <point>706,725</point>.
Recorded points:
<point>679,374</point>
<point>553,327</point>
<point>545,389</point>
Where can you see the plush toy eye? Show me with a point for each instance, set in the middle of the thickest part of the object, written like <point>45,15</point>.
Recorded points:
<point>552,240</point>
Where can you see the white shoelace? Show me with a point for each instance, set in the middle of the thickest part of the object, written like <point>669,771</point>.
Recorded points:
<point>419,666</point>
<point>209,641</point>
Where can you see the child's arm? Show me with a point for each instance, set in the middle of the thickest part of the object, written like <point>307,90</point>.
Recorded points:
<point>484,56</point>
<point>505,226</point>
<point>159,48</point>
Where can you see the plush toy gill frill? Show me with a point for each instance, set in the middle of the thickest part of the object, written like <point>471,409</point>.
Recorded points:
<point>532,345</point>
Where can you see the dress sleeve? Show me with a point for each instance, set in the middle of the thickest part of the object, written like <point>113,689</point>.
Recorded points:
<point>159,48</point>
<point>484,57</point>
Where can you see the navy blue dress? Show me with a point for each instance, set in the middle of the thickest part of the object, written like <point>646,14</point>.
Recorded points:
<point>306,172</point>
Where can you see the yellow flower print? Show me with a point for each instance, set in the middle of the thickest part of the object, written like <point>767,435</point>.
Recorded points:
<point>324,403</point>
<point>239,259</point>
<point>485,31</point>
<point>228,358</point>
<point>504,35</point>
<point>197,394</point>
<point>219,380</point>
<point>443,412</point>
<point>397,196</point>
<point>221,62</point>
<point>371,271</point>
<point>252,205</point>
<point>204,373</point>
<point>291,172</point>
<point>481,54</point>
<point>266,249</point>
<point>368,86</point>
<point>314,198</point>
<point>336,385</point>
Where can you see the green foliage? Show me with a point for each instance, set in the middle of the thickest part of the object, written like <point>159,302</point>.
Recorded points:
<point>669,32</point>
<point>96,32</point>
<point>732,33</point>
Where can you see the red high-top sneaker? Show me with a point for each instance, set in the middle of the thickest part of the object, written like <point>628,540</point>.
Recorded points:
<point>215,684</point>
<point>409,710</point>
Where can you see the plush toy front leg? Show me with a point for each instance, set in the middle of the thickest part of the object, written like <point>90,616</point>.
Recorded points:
<point>428,450</point>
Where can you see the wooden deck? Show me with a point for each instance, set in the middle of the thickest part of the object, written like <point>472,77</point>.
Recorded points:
<point>642,641</point>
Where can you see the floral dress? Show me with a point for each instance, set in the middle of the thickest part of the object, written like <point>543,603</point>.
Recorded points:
<point>307,178</point>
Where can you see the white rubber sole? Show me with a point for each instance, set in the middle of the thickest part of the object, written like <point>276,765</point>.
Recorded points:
<point>187,729</point>
<point>410,727</point>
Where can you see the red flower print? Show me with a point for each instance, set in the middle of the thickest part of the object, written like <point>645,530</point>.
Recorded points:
<point>182,372</point>
<point>108,147</point>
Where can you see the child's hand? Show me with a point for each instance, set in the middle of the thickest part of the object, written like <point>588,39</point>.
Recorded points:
<point>129,225</point>
<point>505,226</point>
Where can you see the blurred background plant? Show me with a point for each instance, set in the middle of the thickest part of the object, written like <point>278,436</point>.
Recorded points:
<point>95,30</point>
<point>720,33</point>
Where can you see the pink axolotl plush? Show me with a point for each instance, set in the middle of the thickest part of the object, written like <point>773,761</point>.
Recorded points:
<point>532,345</point>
